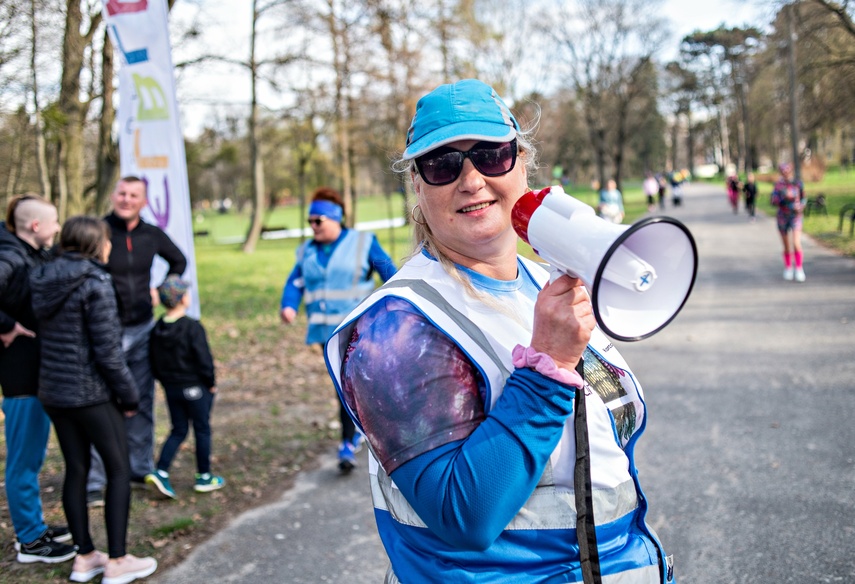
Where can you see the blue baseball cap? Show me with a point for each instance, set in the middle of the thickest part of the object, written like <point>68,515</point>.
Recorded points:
<point>466,110</point>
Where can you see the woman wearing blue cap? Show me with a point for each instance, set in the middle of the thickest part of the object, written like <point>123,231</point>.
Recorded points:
<point>462,373</point>
<point>333,273</point>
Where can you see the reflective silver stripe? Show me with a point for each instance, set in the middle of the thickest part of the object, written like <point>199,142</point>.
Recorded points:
<point>391,578</point>
<point>645,575</point>
<point>357,269</point>
<point>551,508</point>
<point>321,318</point>
<point>547,508</point>
<point>389,498</point>
<point>354,294</point>
<point>433,296</point>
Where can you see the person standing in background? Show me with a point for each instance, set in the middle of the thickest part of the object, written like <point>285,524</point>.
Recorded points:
<point>676,179</point>
<point>182,362</point>
<point>788,196</point>
<point>733,192</point>
<point>86,388</point>
<point>651,189</point>
<point>749,189</point>
<point>663,184</point>
<point>135,245</point>
<point>333,273</point>
<point>610,207</point>
<point>30,228</point>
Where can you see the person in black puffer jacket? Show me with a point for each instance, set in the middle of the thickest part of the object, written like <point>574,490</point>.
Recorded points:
<point>85,386</point>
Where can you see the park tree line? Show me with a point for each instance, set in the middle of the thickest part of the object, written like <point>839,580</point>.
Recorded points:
<point>332,86</point>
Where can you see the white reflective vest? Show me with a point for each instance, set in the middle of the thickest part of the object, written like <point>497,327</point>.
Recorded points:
<point>332,291</point>
<point>545,526</point>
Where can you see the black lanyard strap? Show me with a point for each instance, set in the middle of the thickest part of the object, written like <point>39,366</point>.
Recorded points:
<point>585,527</point>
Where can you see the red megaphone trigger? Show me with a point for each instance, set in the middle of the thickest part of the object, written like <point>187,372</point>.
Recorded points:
<point>524,208</point>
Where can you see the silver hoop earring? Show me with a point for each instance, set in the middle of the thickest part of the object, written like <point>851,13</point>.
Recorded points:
<point>413,214</point>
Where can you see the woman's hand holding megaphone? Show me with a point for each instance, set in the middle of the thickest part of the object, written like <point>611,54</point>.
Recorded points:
<point>563,321</point>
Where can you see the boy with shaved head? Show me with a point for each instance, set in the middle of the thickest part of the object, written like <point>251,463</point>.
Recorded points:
<point>31,224</point>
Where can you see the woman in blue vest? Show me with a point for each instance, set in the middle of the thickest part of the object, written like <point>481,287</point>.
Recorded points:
<point>334,272</point>
<point>462,373</point>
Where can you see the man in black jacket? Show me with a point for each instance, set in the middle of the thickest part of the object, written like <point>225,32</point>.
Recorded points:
<point>30,227</point>
<point>135,245</point>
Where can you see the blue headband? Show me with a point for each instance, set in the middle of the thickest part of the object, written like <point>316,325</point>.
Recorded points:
<point>326,208</point>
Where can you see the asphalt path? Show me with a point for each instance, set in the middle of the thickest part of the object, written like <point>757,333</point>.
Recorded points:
<point>747,460</point>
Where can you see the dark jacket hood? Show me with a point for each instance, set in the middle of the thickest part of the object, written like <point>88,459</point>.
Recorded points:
<point>9,241</point>
<point>167,335</point>
<point>52,283</point>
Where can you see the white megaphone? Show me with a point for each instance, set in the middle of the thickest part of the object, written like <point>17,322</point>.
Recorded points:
<point>639,276</point>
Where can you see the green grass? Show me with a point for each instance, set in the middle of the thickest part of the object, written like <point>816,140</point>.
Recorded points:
<point>177,525</point>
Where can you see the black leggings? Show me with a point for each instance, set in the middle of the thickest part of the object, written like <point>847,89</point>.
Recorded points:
<point>78,429</point>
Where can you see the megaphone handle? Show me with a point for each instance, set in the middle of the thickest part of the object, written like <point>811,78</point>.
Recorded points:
<point>555,273</point>
<point>586,533</point>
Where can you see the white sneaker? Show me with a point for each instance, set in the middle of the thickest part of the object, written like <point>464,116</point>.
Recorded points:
<point>127,569</point>
<point>800,275</point>
<point>85,568</point>
<point>788,274</point>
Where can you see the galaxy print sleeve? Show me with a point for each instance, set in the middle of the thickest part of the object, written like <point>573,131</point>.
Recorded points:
<point>410,386</point>
<point>419,401</point>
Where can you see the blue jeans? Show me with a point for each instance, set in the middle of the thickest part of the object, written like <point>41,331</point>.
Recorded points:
<point>186,405</point>
<point>27,428</point>
<point>140,428</point>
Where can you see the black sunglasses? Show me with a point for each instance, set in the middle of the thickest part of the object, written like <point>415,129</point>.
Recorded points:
<point>317,221</point>
<point>443,165</point>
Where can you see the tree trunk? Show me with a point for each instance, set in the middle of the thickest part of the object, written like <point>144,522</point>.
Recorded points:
<point>73,110</point>
<point>338,36</point>
<point>725,137</point>
<point>690,143</point>
<point>17,161</point>
<point>71,136</point>
<point>38,132</point>
<point>257,170</point>
<point>302,164</point>
<point>794,101</point>
<point>108,151</point>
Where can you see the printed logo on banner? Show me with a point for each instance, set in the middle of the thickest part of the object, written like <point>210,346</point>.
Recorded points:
<point>159,208</point>
<point>144,161</point>
<point>131,57</point>
<point>153,104</point>
<point>126,6</point>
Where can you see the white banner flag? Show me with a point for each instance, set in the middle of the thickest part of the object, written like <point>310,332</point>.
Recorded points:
<point>151,144</point>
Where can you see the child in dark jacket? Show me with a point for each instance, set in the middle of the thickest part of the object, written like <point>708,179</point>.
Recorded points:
<point>181,361</point>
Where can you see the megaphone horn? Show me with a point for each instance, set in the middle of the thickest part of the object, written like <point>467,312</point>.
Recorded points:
<point>639,275</point>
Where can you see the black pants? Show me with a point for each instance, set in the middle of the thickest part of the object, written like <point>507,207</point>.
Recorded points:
<point>79,429</point>
<point>192,404</point>
<point>348,428</point>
